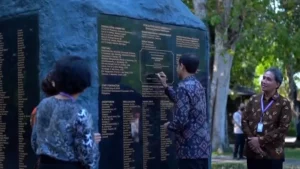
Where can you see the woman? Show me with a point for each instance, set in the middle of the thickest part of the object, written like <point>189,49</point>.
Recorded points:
<point>62,134</point>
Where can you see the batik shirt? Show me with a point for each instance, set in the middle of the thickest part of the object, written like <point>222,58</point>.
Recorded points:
<point>276,121</point>
<point>190,122</point>
<point>63,130</point>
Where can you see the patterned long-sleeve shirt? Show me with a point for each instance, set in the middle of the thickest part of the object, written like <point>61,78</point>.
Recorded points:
<point>276,121</point>
<point>63,130</point>
<point>190,122</point>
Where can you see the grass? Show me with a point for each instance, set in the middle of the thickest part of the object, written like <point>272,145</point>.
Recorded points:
<point>229,166</point>
<point>227,153</point>
<point>242,166</point>
<point>290,153</point>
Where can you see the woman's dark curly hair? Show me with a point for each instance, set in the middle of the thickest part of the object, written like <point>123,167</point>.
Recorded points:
<point>48,86</point>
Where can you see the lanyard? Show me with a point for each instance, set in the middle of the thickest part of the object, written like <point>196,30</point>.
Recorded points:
<point>67,95</point>
<point>263,109</point>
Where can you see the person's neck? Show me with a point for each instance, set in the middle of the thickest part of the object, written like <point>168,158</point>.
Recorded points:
<point>75,96</point>
<point>268,95</point>
<point>186,75</point>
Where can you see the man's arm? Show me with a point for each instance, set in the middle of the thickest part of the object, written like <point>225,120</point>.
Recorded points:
<point>245,119</point>
<point>182,109</point>
<point>171,93</point>
<point>284,123</point>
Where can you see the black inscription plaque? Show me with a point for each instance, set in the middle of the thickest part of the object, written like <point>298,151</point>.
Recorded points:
<point>19,90</point>
<point>132,104</point>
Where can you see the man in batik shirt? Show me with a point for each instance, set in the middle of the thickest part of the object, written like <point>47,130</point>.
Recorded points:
<point>265,124</point>
<point>190,123</point>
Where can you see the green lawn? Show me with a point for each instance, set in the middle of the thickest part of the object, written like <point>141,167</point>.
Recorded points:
<point>225,153</point>
<point>242,166</point>
<point>290,153</point>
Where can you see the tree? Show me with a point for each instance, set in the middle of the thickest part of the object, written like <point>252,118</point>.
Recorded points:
<point>246,32</point>
<point>276,42</point>
<point>226,23</point>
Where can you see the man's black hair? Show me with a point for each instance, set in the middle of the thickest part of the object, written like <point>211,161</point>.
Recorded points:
<point>72,75</point>
<point>277,74</point>
<point>190,62</point>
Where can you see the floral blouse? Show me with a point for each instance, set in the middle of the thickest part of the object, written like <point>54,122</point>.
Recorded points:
<point>63,130</point>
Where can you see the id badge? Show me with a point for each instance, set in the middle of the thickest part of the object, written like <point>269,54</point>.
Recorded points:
<point>260,127</point>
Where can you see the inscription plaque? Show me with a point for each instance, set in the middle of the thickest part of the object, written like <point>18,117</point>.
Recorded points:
<point>19,90</point>
<point>132,104</point>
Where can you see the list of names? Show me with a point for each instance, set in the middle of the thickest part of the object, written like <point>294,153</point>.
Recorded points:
<point>22,118</point>
<point>19,89</point>
<point>3,111</point>
<point>165,141</point>
<point>131,53</point>
<point>109,118</point>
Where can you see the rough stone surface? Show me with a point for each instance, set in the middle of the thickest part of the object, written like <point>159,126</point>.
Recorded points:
<point>70,27</point>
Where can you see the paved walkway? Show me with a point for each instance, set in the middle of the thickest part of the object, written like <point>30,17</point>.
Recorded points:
<point>229,159</point>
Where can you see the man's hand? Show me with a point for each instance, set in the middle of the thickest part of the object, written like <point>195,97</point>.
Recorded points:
<point>166,125</point>
<point>163,78</point>
<point>254,145</point>
<point>97,137</point>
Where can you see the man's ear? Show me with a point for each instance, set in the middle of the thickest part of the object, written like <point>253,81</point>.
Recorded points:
<point>181,66</point>
<point>278,85</point>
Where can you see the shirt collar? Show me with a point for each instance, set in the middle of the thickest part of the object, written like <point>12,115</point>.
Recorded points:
<point>274,97</point>
<point>188,78</point>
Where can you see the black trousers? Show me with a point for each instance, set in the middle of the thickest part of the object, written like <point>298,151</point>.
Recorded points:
<point>51,163</point>
<point>193,163</point>
<point>239,145</point>
<point>264,164</point>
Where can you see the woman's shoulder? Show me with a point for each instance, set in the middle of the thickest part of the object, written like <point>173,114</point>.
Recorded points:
<point>44,103</point>
<point>46,100</point>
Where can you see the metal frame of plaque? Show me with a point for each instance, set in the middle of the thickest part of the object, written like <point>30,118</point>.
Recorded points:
<point>132,104</point>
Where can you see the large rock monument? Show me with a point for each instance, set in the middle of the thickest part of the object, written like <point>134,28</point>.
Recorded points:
<point>126,43</point>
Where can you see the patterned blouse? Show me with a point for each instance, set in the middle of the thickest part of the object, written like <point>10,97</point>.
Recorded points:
<point>276,121</point>
<point>190,122</point>
<point>63,130</point>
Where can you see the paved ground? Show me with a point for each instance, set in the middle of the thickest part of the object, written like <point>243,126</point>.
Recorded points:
<point>228,159</point>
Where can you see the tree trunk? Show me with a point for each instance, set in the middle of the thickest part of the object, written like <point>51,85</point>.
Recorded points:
<point>219,90</point>
<point>200,9</point>
<point>292,92</point>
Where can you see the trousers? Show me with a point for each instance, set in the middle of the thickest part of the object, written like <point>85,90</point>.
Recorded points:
<point>264,164</point>
<point>239,145</point>
<point>193,163</point>
<point>47,162</point>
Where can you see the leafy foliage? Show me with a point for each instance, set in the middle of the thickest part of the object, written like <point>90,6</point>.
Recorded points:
<point>270,35</point>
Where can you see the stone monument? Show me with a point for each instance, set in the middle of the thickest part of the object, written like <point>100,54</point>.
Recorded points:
<point>126,42</point>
